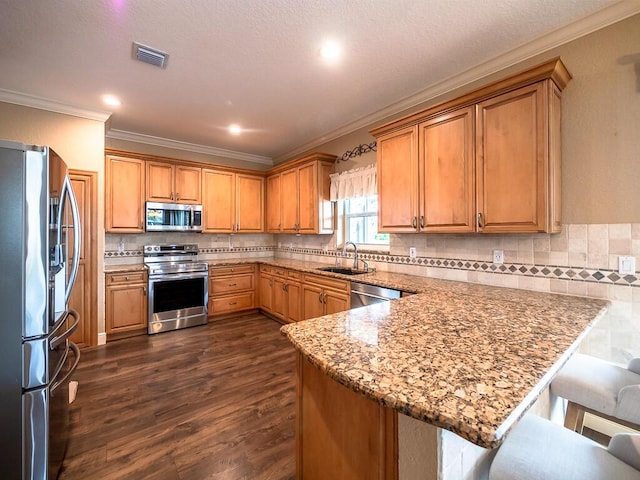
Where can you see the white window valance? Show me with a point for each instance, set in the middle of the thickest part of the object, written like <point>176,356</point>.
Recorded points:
<point>358,182</point>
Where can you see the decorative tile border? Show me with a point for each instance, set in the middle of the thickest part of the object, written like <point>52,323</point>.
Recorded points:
<point>558,272</point>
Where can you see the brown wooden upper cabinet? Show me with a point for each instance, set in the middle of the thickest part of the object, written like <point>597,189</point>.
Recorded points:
<point>486,162</point>
<point>169,183</point>
<point>124,199</point>
<point>298,196</point>
<point>232,202</point>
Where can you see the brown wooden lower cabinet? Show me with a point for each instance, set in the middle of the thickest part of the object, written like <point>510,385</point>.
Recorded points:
<point>126,304</point>
<point>324,296</point>
<point>232,289</point>
<point>280,293</point>
<point>341,433</point>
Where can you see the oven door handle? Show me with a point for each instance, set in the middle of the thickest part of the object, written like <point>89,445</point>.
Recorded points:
<point>177,276</point>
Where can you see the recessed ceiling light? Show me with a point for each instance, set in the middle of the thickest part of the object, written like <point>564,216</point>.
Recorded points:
<point>235,129</point>
<point>330,51</point>
<point>111,100</point>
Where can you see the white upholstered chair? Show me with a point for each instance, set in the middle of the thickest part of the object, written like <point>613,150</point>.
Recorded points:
<point>601,388</point>
<point>537,449</point>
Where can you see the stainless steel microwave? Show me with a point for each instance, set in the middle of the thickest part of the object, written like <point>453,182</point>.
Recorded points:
<point>173,217</point>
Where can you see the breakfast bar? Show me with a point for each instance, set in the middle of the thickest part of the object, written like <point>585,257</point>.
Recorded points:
<point>462,358</point>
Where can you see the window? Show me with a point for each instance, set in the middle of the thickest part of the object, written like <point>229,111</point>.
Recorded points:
<point>361,222</point>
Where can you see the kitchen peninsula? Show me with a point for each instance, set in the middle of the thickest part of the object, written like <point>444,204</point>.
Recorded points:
<point>466,358</point>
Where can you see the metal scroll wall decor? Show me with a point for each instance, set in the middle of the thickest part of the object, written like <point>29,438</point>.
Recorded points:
<point>356,152</point>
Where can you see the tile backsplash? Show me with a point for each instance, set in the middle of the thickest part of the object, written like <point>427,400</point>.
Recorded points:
<point>582,260</point>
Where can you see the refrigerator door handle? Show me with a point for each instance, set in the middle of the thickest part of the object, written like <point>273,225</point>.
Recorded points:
<point>55,341</point>
<point>76,353</point>
<point>67,192</point>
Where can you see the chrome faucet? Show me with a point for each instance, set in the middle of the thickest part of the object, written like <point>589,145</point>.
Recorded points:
<point>355,253</point>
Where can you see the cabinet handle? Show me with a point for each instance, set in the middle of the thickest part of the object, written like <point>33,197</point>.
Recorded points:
<point>232,284</point>
<point>480,220</point>
<point>415,222</point>
<point>177,197</point>
<point>144,291</point>
<point>126,278</point>
<point>233,303</point>
<point>320,298</point>
<point>421,221</point>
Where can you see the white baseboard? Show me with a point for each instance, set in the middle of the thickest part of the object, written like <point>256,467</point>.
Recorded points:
<point>603,425</point>
<point>102,339</point>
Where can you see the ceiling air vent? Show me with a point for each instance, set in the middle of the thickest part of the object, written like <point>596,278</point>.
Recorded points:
<point>150,55</point>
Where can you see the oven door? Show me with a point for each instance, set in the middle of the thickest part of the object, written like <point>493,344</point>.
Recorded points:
<point>177,301</point>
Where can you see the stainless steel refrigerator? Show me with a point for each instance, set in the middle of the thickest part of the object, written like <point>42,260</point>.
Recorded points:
<point>39,257</point>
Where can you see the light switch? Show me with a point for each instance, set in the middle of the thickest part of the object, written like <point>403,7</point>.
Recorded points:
<point>626,265</point>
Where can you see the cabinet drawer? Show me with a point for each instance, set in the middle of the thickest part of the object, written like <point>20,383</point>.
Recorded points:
<point>294,275</point>
<point>268,269</point>
<point>230,284</point>
<point>125,278</point>
<point>231,269</point>
<point>280,272</point>
<point>231,303</point>
<point>327,282</point>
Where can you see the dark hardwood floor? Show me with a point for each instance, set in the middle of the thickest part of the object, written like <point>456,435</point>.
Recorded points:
<point>211,402</point>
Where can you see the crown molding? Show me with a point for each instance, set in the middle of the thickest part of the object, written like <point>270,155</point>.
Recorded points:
<point>17,98</point>
<point>189,147</point>
<point>589,24</point>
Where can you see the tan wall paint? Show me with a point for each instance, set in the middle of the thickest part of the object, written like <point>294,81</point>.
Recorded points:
<point>600,124</point>
<point>80,143</point>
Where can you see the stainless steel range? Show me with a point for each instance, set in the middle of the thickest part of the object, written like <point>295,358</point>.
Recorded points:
<point>178,287</point>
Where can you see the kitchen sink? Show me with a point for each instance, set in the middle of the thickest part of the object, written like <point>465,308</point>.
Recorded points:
<point>344,271</point>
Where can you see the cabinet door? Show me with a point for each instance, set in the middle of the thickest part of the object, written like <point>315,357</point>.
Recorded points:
<point>160,182</point>
<point>124,195</point>
<point>294,302</point>
<point>308,205</point>
<point>335,302</point>
<point>510,147</point>
<point>397,164</point>
<point>273,204</point>
<point>266,292</point>
<point>279,306</point>
<point>312,305</point>
<point>126,308</point>
<point>188,184</point>
<point>447,202</point>
<point>289,203</point>
<point>218,206</point>
<point>250,203</point>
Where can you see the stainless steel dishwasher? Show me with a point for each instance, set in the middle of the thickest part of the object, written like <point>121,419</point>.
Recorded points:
<point>363,294</point>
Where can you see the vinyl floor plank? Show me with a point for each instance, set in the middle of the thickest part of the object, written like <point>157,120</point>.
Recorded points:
<point>210,402</point>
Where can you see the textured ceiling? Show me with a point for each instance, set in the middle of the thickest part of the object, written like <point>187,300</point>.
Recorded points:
<point>256,62</point>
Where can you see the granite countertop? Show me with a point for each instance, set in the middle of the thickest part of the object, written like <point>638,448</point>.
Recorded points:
<point>465,357</point>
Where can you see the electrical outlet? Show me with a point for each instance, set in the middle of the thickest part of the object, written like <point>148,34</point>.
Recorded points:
<point>626,265</point>
<point>412,252</point>
<point>498,256</point>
